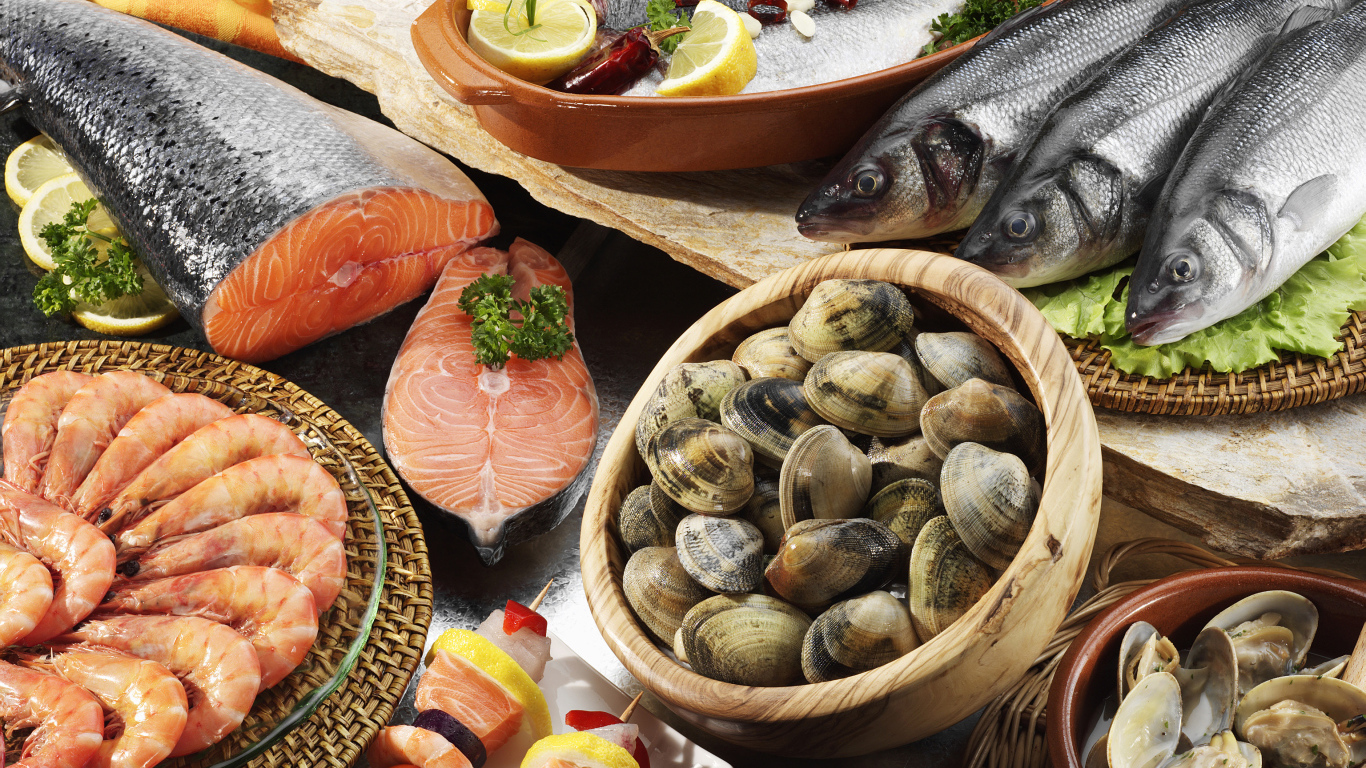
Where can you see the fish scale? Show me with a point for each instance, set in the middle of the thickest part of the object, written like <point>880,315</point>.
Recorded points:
<point>201,160</point>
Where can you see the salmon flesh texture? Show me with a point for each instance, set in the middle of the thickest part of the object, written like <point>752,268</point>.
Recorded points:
<point>505,451</point>
<point>270,218</point>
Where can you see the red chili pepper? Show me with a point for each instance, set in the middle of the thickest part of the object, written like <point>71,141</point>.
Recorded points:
<point>587,720</point>
<point>616,66</point>
<point>516,616</point>
<point>768,11</point>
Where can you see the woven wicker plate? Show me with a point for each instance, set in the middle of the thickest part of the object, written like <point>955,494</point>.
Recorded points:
<point>371,640</point>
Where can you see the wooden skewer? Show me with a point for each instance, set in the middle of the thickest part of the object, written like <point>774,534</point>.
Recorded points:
<point>631,708</point>
<point>1355,673</point>
<point>539,598</point>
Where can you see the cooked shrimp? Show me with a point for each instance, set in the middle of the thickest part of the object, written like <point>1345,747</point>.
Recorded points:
<point>147,703</point>
<point>80,557</point>
<point>25,593</point>
<point>217,666</point>
<point>88,423</point>
<point>398,745</point>
<point>267,484</point>
<point>31,425</point>
<point>67,722</point>
<point>300,545</point>
<point>210,450</point>
<point>151,432</point>
<point>265,605</point>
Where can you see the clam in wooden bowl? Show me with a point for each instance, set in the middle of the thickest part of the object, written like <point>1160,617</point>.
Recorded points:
<point>957,671</point>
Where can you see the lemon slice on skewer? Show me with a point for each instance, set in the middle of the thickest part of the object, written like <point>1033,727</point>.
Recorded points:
<point>129,315</point>
<point>717,57</point>
<point>30,164</point>
<point>501,667</point>
<point>583,750</point>
<point>563,33</point>
<point>49,203</point>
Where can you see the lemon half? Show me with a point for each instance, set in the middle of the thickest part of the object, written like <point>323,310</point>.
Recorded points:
<point>584,750</point>
<point>30,164</point>
<point>49,204</point>
<point>715,59</point>
<point>563,34</point>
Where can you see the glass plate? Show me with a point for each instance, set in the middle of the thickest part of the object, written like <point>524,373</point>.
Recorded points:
<point>343,629</point>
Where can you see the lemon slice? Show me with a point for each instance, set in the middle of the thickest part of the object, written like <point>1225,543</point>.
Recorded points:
<point>49,203</point>
<point>492,6</point>
<point>584,750</point>
<point>503,668</point>
<point>563,34</point>
<point>129,315</point>
<point>715,59</point>
<point>32,163</point>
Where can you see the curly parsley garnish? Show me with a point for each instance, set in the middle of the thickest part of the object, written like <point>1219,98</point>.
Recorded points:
<point>662,15</point>
<point>978,17</point>
<point>542,331</point>
<point>80,274</point>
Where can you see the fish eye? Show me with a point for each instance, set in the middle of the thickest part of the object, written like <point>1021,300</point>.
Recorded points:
<point>1184,269</point>
<point>1021,225</point>
<point>867,183</point>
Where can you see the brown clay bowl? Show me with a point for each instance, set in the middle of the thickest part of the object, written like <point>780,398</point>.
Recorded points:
<point>646,133</point>
<point>960,669</point>
<point>1179,606</point>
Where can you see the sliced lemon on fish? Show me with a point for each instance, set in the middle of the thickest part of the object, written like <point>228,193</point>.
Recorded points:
<point>583,750</point>
<point>715,59</point>
<point>49,204</point>
<point>563,33</point>
<point>495,662</point>
<point>129,315</point>
<point>32,163</point>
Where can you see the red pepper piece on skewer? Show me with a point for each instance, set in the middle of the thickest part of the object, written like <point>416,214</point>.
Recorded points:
<point>516,616</point>
<point>587,720</point>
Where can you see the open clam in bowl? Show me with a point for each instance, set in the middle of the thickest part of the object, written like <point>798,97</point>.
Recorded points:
<point>962,667</point>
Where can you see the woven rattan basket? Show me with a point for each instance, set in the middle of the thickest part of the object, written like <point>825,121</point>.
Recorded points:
<point>322,714</point>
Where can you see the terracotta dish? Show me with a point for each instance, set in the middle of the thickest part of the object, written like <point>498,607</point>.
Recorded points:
<point>1179,606</point>
<point>963,667</point>
<point>643,133</point>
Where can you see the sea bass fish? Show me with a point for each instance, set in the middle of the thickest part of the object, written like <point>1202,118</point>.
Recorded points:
<point>1079,198</point>
<point>930,164</point>
<point>507,450</point>
<point>270,218</point>
<point>1271,178</point>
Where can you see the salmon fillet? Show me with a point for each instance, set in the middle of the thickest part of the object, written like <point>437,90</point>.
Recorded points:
<point>505,450</point>
<point>458,687</point>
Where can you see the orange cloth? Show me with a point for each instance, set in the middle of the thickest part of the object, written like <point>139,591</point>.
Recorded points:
<point>243,22</point>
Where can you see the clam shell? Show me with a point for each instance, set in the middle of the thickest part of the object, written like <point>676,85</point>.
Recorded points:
<point>851,314</point>
<point>978,411</point>
<point>900,459</point>
<point>945,579</point>
<point>1142,651</point>
<point>904,507</point>
<point>906,350</point>
<point>642,523</point>
<point>770,353</point>
<point>745,639</point>
<point>824,477</point>
<point>1146,730</point>
<point>1297,621</point>
<point>766,512</point>
<point>689,390</point>
<point>1338,699</point>
<point>861,633</point>
<point>703,466</point>
<point>770,413</point>
<point>1209,686</point>
<point>957,356</point>
<point>991,500</point>
<point>723,554</point>
<point>822,561</point>
<point>659,591</point>
<point>874,393</point>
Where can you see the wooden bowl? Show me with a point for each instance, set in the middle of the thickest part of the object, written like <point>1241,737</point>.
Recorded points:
<point>957,671</point>
<point>1179,606</point>
<point>654,133</point>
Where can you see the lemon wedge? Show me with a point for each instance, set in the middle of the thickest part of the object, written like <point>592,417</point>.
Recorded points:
<point>129,315</point>
<point>716,58</point>
<point>501,667</point>
<point>48,204</point>
<point>30,164</point>
<point>563,33</point>
<point>583,750</point>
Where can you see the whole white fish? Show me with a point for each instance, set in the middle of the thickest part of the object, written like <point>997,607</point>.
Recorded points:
<point>1273,175</point>
<point>1080,197</point>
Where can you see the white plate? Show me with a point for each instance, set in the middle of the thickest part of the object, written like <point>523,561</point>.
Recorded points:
<point>572,683</point>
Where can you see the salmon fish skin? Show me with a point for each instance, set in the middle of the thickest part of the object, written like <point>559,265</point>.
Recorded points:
<point>1080,196</point>
<point>931,162</point>
<point>270,218</point>
<point>504,451</point>
<point>1270,179</point>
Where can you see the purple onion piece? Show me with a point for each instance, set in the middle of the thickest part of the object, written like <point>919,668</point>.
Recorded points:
<point>455,732</point>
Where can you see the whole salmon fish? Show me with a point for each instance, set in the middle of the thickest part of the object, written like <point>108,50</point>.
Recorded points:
<point>930,164</point>
<point>270,218</point>
<point>1271,178</point>
<point>1080,196</point>
<point>506,450</point>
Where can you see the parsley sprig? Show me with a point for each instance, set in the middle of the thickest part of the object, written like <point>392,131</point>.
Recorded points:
<point>80,274</point>
<point>977,18</point>
<point>662,15</point>
<point>541,332</point>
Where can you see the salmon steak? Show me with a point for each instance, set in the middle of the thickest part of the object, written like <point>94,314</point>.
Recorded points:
<point>506,451</point>
<point>270,218</point>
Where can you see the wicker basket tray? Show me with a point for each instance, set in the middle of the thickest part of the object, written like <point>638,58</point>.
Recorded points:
<point>370,641</point>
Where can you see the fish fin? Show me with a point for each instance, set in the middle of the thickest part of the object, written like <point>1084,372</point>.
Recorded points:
<point>1305,16</point>
<point>1015,22</point>
<point>1307,204</point>
<point>12,97</point>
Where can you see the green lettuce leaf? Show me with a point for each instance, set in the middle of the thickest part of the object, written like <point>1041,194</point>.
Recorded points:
<point>1304,315</point>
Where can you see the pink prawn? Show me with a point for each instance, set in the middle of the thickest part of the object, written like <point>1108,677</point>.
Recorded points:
<point>31,425</point>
